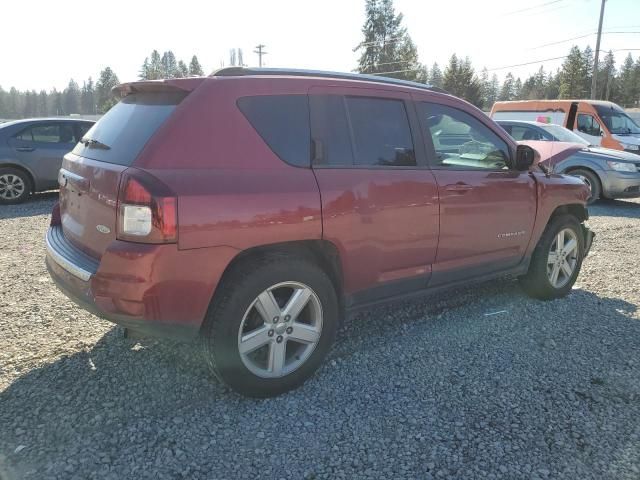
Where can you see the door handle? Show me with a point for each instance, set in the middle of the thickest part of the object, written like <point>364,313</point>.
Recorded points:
<point>25,149</point>
<point>459,187</point>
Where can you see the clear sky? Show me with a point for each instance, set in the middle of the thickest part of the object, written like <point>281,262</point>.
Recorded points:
<point>44,43</point>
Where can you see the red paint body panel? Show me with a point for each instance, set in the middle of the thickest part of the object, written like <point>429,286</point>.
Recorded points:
<point>384,223</point>
<point>488,221</point>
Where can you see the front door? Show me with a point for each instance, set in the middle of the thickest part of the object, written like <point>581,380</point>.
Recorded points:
<point>379,198</point>
<point>487,211</point>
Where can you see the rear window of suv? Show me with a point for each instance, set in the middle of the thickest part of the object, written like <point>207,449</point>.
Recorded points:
<point>128,126</point>
<point>283,123</point>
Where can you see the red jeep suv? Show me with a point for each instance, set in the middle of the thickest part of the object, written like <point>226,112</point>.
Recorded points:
<point>253,208</point>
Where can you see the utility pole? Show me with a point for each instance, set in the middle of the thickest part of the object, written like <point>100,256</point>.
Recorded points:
<point>594,79</point>
<point>259,50</point>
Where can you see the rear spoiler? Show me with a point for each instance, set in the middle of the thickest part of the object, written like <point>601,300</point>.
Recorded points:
<point>168,85</point>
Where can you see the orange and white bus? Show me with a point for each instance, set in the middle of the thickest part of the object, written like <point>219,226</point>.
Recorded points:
<point>599,122</point>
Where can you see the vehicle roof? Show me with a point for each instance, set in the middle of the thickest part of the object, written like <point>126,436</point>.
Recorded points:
<point>292,72</point>
<point>603,103</point>
<point>44,119</point>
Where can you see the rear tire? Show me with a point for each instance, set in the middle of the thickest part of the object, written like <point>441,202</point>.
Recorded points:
<point>243,311</point>
<point>592,180</point>
<point>15,186</point>
<point>554,269</point>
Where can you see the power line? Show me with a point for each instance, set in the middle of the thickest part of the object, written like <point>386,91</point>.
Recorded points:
<point>551,59</point>
<point>532,8</point>
<point>577,38</point>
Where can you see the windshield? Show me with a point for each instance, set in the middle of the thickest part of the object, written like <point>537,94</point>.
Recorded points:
<point>617,122</point>
<point>562,134</point>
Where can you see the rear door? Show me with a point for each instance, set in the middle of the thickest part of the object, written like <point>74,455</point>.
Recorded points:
<point>379,198</point>
<point>486,210</point>
<point>41,146</point>
<point>90,174</point>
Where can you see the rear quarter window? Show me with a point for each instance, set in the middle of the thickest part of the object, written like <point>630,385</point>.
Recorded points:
<point>128,126</point>
<point>283,123</point>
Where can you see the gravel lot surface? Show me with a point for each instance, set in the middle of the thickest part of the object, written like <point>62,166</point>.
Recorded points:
<point>435,388</point>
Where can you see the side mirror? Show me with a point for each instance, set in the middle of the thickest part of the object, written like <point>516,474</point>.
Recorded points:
<point>524,158</point>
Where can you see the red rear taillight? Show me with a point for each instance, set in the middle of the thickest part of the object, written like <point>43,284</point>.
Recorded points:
<point>147,209</point>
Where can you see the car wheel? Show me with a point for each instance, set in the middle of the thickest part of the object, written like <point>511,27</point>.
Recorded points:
<point>15,186</point>
<point>592,181</point>
<point>556,260</point>
<point>270,326</point>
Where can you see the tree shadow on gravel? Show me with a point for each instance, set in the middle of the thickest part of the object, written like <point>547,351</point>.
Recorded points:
<point>615,208</point>
<point>37,204</point>
<point>134,407</point>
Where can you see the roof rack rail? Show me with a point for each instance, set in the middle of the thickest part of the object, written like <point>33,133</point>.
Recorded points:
<point>246,72</point>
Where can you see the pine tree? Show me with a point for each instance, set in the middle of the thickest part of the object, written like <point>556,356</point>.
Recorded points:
<point>486,86</point>
<point>493,92</point>
<point>460,80</point>
<point>169,65</point>
<point>104,98</point>
<point>606,76</point>
<point>72,97</point>
<point>154,67</point>
<point>508,88</point>
<point>183,70</point>
<point>43,103</point>
<point>14,102</point>
<point>387,48</point>
<point>517,89</point>
<point>572,84</point>
<point>587,57</point>
<point>30,104</point>
<point>87,97</point>
<point>436,78</point>
<point>144,72</point>
<point>628,94</point>
<point>552,87</point>
<point>194,67</point>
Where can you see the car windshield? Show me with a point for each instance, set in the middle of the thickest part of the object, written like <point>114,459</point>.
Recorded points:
<point>562,134</point>
<point>619,123</point>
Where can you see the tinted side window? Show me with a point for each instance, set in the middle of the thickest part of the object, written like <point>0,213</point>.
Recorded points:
<point>381,133</point>
<point>48,133</point>
<point>462,141</point>
<point>525,133</point>
<point>283,123</point>
<point>330,130</point>
<point>587,124</point>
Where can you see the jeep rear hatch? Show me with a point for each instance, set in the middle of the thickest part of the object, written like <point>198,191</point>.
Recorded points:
<point>91,174</point>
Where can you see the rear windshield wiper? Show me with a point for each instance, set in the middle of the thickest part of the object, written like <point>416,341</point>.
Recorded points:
<point>93,143</point>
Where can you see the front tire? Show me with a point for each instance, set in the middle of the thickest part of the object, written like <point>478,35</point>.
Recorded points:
<point>271,325</point>
<point>592,181</point>
<point>556,261</point>
<point>15,186</point>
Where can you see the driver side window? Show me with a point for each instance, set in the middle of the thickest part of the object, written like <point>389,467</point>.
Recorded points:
<point>461,141</point>
<point>589,125</point>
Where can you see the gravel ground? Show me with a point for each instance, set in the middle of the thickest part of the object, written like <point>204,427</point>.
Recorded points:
<point>437,388</point>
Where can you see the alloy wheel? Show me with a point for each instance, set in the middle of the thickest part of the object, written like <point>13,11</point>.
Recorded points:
<point>11,186</point>
<point>563,258</point>
<point>280,329</point>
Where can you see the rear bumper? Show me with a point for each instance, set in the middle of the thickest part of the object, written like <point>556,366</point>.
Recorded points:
<point>621,184</point>
<point>157,290</point>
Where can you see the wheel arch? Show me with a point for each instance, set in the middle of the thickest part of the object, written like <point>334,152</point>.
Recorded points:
<point>321,252</point>
<point>575,209</point>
